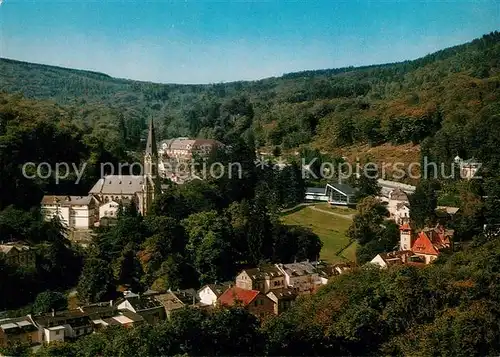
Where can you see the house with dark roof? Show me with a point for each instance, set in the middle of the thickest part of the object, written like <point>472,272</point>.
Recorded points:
<point>125,318</point>
<point>71,324</point>
<point>254,301</point>
<point>20,330</point>
<point>264,278</point>
<point>340,194</point>
<point>18,253</point>
<point>146,306</point>
<point>283,299</point>
<point>302,277</point>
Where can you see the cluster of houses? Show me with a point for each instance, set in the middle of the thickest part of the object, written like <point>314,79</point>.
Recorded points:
<point>417,249</point>
<point>264,291</point>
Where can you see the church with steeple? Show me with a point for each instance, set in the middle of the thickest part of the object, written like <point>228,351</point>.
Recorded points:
<point>141,189</point>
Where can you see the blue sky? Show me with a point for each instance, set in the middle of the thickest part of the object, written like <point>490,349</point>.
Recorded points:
<point>215,41</point>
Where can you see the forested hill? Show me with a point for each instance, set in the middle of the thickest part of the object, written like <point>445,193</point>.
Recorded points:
<point>400,103</point>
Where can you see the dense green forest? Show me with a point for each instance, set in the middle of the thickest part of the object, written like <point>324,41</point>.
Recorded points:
<point>436,96</point>
<point>450,308</point>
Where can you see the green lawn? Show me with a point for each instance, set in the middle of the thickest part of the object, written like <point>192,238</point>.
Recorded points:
<point>330,229</point>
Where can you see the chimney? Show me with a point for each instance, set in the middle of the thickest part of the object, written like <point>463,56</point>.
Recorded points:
<point>53,312</point>
<point>110,302</point>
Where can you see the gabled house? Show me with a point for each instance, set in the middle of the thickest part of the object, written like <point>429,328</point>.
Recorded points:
<point>431,242</point>
<point>254,301</point>
<point>263,278</point>
<point>398,206</point>
<point>283,299</point>
<point>209,293</point>
<point>146,306</point>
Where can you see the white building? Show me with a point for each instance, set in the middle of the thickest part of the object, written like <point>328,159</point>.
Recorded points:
<point>398,205</point>
<point>75,212</point>
<point>109,210</point>
<point>209,294</point>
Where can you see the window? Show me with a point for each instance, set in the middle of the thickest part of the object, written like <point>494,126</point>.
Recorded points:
<point>57,332</point>
<point>256,302</point>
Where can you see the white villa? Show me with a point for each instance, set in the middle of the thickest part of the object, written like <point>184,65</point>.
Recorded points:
<point>75,212</point>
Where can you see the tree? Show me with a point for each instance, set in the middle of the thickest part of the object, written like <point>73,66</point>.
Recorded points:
<point>367,224</point>
<point>208,245</point>
<point>96,282</point>
<point>127,270</point>
<point>48,300</point>
<point>233,332</point>
<point>367,182</point>
<point>423,203</point>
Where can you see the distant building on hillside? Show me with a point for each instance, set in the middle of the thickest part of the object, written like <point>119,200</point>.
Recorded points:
<point>468,168</point>
<point>186,149</point>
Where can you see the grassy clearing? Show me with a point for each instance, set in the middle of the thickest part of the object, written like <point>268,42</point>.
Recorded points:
<point>330,229</point>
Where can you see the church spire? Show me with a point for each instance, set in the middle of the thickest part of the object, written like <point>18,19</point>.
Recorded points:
<point>151,148</point>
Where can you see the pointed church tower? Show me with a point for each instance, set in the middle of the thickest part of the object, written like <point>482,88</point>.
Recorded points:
<point>151,179</point>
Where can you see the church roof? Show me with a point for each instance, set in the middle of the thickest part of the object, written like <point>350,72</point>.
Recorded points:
<point>118,184</point>
<point>151,148</point>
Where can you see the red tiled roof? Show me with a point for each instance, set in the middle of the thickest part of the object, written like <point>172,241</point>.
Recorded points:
<point>423,245</point>
<point>405,227</point>
<point>234,294</point>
